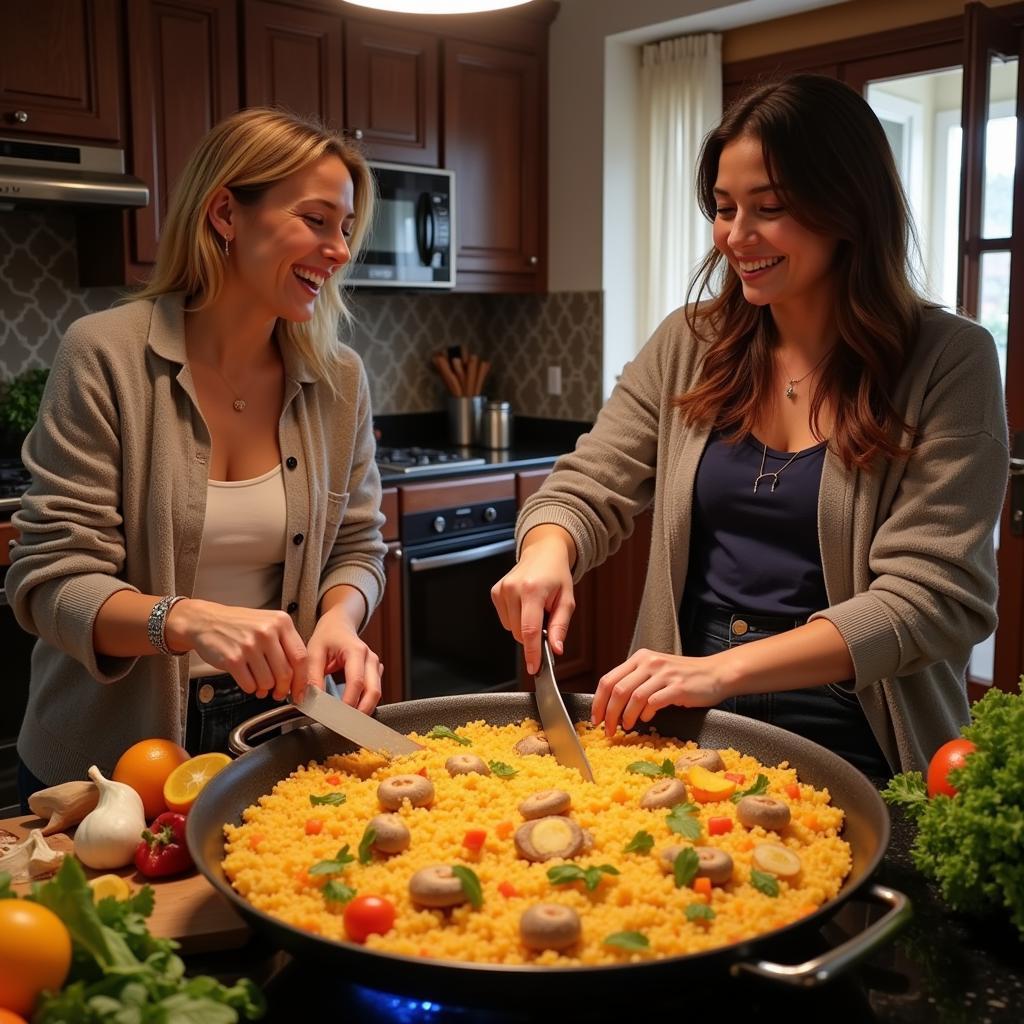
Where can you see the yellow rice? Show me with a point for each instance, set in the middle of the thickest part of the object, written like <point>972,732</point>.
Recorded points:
<point>268,856</point>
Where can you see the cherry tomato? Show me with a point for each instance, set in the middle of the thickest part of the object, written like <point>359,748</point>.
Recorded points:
<point>368,915</point>
<point>949,756</point>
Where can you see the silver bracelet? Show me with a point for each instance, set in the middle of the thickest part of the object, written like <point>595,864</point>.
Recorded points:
<point>158,622</point>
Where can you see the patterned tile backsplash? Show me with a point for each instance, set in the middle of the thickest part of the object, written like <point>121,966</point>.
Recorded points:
<point>395,333</point>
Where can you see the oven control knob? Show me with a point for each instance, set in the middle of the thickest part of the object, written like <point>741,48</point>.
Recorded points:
<point>440,524</point>
<point>490,514</point>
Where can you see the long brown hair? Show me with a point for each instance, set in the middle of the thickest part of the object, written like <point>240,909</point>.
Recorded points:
<point>249,152</point>
<point>829,161</point>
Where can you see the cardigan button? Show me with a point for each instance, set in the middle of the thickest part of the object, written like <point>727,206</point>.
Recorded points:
<point>293,606</point>
<point>291,462</point>
<point>206,693</point>
<point>739,627</point>
<point>298,538</point>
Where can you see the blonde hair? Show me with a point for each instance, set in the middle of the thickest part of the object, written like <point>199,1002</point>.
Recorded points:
<point>248,153</point>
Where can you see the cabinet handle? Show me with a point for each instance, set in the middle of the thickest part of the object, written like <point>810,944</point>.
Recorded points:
<point>21,116</point>
<point>397,554</point>
<point>533,261</point>
<point>357,134</point>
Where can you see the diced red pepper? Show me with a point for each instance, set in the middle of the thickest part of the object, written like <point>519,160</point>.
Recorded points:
<point>702,886</point>
<point>163,850</point>
<point>474,839</point>
<point>334,780</point>
<point>719,826</point>
<point>423,771</point>
<point>738,777</point>
<point>508,890</point>
<point>314,826</point>
<point>793,791</point>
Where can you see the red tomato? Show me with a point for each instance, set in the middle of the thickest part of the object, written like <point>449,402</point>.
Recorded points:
<point>474,839</point>
<point>368,915</point>
<point>949,756</point>
<point>719,826</point>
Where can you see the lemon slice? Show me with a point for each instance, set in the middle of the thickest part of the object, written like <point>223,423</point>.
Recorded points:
<point>186,782</point>
<point>109,885</point>
<point>778,860</point>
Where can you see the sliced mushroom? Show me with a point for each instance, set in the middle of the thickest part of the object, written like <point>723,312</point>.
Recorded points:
<point>666,793</point>
<point>545,802</point>
<point>466,764</point>
<point>545,838</point>
<point>710,759</point>
<point>775,859</point>
<point>535,743</point>
<point>414,788</point>
<point>667,857</point>
<point>765,811</point>
<point>436,886</point>
<point>549,926</point>
<point>714,864</point>
<point>391,834</point>
<point>588,841</point>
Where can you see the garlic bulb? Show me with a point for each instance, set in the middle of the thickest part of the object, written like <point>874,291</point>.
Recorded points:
<point>108,836</point>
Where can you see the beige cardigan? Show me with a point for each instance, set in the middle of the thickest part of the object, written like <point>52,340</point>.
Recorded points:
<point>119,461</point>
<point>906,550</point>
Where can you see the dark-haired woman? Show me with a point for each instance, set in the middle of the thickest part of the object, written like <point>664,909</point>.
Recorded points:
<point>826,453</point>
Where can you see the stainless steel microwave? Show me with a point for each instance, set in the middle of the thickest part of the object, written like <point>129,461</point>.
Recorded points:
<point>412,239</point>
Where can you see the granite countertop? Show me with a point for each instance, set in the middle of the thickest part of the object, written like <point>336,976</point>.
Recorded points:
<point>941,967</point>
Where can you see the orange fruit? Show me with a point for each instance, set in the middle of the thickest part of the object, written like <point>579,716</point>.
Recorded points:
<point>10,1017</point>
<point>145,766</point>
<point>35,953</point>
<point>186,782</point>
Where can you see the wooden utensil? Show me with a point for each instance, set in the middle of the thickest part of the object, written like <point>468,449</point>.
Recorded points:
<point>450,380</point>
<point>473,374</point>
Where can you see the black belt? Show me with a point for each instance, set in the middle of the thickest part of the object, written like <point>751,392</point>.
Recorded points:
<point>738,623</point>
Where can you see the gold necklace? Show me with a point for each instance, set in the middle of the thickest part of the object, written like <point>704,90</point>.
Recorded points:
<point>792,382</point>
<point>239,403</point>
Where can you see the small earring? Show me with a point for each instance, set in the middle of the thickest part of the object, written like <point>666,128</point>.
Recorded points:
<point>227,246</point>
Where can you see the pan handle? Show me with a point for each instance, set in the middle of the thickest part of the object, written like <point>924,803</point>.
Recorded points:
<point>830,965</point>
<point>239,739</point>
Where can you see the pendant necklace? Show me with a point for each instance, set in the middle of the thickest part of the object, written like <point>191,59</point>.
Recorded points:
<point>792,382</point>
<point>239,403</point>
<point>762,475</point>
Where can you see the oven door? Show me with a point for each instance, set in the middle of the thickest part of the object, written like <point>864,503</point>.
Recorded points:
<point>454,641</point>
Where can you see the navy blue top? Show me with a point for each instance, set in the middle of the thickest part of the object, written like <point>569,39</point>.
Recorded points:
<point>756,552</point>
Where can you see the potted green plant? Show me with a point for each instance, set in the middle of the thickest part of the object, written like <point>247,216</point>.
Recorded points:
<point>19,406</point>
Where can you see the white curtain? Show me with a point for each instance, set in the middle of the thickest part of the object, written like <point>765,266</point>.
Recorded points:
<point>680,102</point>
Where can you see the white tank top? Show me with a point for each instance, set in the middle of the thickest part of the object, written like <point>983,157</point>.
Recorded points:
<point>241,559</point>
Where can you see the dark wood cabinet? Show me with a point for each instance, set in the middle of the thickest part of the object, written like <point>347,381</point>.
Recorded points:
<point>391,92</point>
<point>383,633</point>
<point>293,59</point>
<point>493,141</point>
<point>60,69</point>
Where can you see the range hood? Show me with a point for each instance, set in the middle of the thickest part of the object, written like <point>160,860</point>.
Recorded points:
<point>35,173</point>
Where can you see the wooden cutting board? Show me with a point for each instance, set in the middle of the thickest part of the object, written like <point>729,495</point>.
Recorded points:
<point>187,908</point>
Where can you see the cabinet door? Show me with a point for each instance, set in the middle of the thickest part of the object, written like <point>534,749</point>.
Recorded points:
<point>60,68</point>
<point>391,92</point>
<point>293,60</point>
<point>183,67</point>
<point>492,141</point>
<point>383,633</point>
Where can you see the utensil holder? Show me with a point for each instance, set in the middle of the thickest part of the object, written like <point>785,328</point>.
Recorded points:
<point>464,419</point>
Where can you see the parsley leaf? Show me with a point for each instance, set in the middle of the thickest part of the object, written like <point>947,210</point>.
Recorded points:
<point>470,884</point>
<point>365,844</point>
<point>442,732</point>
<point>631,941</point>
<point>338,892</point>
<point>908,790</point>
<point>683,821</point>
<point>651,769</point>
<point>760,786</point>
<point>329,867</point>
<point>333,799</point>
<point>684,867</point>
<point>502,770</point>
<point>699,912</point>
<point>640,843</point>
<point>763,882</point>
<point>564,874</point>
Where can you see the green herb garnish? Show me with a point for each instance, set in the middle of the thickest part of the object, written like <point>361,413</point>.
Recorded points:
<point>909,792</point>
<point>442,732</point>
<point>684,867</point>
<point>564,874</point>
<point>760,786</point>
<point>634,942</point>
<point>651,769</point>
<point>365,844</point>
<point>763,882</point>
<point>640,843</point>
<point>333,799</point>
<point>682,819</point>
<point>699,912</point>
<point>502,770</point>
<point>338,892</point>
<point>470,885</point>
<point>329,867</point>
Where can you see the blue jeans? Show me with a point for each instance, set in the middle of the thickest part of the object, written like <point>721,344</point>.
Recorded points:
<point>829,715</point>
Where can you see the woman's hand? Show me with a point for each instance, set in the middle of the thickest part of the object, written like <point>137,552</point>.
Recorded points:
<point>260,649</point>
<point>336,646</point>
<point>540,582</point>
<point>649,681</point>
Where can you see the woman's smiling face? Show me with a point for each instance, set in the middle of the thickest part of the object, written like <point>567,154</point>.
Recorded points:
<point>287,244</point>
<point>776,258</point>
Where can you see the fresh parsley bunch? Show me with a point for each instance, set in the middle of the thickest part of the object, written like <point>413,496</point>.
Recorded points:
<point>972,844</point>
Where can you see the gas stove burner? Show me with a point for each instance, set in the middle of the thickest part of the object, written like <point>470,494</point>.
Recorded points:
<point>423,460</point>
<point>14,482</point>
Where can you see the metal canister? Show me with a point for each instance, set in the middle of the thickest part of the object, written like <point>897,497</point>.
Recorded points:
<point>496,425</point>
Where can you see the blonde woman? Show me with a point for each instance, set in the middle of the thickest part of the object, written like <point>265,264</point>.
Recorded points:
<point>203,526</point>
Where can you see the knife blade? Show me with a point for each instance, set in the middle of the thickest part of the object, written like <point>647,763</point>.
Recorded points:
<point>558,727</point>
<point>346,721</point>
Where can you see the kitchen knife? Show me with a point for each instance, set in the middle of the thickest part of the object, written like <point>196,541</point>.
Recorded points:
<point>558,727</point>
<point>346,721</point>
